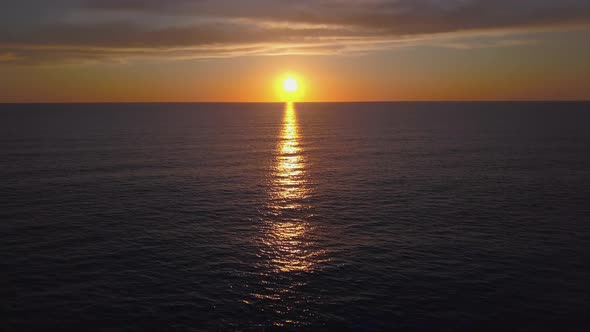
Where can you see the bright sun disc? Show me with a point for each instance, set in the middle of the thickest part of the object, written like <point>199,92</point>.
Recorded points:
<point>290,84</point>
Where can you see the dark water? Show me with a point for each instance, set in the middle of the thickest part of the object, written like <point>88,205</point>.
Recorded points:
<point>359,216</point>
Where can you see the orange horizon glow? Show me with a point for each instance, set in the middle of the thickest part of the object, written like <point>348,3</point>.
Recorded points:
<point>318,79</point>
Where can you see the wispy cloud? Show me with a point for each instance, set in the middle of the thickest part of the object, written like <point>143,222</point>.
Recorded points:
<point>109,30</point>
<point>7,57</point>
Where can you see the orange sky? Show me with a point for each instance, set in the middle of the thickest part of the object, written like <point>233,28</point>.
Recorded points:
<point>403,74</point>
<point>111,52</point>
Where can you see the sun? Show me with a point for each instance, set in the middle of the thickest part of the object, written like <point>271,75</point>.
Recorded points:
<point>290,87</point>
<point>290,84</point>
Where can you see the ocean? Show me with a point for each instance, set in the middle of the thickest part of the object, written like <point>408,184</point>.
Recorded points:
<point>310,216</point>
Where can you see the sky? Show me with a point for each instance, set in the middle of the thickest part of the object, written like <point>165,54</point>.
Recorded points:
<point>340,50</point>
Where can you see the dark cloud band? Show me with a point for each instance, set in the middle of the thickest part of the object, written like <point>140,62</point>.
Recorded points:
<point>210,28</point>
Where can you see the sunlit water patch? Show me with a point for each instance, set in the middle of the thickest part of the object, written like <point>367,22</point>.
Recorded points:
<point>287,245</point>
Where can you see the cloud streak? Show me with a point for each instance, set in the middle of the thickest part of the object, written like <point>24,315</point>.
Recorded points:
<point>109,30</point>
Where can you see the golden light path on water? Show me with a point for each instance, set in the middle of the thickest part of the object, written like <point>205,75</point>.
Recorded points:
<point>287,234</point>
<point>288,240</point>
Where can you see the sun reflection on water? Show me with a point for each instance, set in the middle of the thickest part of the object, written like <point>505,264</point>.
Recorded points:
<point>288,243</point>
<point>287,234</point>
<point>289,185</point>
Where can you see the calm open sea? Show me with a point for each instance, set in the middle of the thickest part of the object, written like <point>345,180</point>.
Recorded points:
<point>349,216</point>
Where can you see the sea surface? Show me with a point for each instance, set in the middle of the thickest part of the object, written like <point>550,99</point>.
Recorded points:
<point>327,216</point>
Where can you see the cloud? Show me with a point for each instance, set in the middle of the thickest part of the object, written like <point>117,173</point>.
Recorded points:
<point>5,57</point>
<point>393,16</point>
<point>119,30</point>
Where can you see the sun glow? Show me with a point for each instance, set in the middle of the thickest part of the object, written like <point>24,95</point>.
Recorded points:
<point>290,84</point>
<point>290,87</point>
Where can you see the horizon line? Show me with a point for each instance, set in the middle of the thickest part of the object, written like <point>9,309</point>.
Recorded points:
<point>303,102</point>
